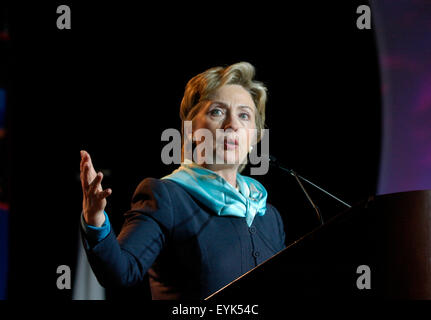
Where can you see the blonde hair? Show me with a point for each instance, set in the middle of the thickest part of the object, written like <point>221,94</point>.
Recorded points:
<point>201,86</point>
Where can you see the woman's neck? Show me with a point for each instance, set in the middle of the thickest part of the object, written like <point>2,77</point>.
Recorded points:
<point>227,173</point>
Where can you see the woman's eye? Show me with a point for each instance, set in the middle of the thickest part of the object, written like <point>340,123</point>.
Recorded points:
<point>216,112</point>
<point>244,116</point>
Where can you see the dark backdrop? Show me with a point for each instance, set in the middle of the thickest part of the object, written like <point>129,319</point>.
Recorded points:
<point>114,82</point>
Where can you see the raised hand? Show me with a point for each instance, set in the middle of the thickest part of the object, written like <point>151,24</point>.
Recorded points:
<point>94,197</point>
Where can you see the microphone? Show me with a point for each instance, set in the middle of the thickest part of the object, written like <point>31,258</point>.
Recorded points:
<point>275,163</point>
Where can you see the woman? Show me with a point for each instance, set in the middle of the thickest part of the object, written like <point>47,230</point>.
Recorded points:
<point>204,225</point>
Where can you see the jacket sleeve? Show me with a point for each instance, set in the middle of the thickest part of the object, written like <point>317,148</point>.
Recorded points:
<point>281,228</point>
<point>124,261</point>
<point>96,234</point>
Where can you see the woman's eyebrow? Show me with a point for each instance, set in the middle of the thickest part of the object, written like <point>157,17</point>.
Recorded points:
<point>219,102</point>
<point>224,105</point>
<point>246,107</point>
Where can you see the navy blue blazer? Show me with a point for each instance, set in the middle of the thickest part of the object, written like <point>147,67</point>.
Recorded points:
<point>188,252</point>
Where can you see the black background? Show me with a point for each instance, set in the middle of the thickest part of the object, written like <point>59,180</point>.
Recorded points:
<point>114,82</point>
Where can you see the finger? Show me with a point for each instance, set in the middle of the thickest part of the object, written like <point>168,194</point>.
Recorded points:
<point>85,179</point>
<point>94,185</point>
<point>83,176</point>
<point>81,164</point>
<point>86,159</point>
<point>85,156</point>
<point>103,194</point>
<point>89,172</point>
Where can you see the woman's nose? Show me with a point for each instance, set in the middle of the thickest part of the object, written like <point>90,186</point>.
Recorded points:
<point>232,123</point>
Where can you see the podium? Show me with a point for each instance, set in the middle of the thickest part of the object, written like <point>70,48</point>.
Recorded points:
<point>378,249</point>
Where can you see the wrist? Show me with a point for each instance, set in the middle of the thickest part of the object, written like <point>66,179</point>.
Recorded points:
<point>96,220</point>
<point>95,234</point>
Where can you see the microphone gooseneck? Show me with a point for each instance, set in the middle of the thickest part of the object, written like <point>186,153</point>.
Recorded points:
<point>274,162</point>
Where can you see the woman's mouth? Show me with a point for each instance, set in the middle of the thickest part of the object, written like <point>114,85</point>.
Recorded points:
<point>230,144</point>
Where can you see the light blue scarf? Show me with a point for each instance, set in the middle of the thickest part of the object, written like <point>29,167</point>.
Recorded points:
<point>219,195</point>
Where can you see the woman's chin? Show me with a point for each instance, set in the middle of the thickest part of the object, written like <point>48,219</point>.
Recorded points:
<point>229,158</point>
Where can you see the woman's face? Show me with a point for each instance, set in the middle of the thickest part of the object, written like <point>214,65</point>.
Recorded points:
<point>230,115</point>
